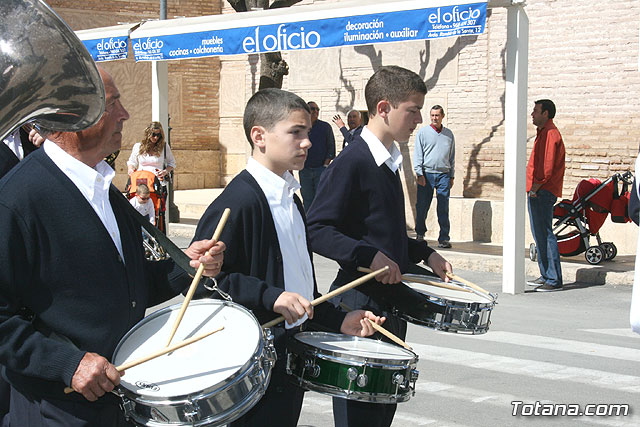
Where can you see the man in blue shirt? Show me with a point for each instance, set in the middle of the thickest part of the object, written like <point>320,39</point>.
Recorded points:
<point>434,164</point>
<point>322,151</point>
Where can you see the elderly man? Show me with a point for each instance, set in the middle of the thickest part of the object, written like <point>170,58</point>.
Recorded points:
<point>354,121</point>
<point>73,278</point>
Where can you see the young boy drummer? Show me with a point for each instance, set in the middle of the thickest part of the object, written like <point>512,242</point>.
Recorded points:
<point>267,265</point>
<point>358,220</point>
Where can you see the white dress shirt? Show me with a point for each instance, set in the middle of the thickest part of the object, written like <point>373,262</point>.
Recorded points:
<point>92,183</point>
<point>13,142</point>
<point>392,158</point>
<point>292,236</point>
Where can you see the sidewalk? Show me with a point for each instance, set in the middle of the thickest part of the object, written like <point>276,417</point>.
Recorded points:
<point>476,256</point>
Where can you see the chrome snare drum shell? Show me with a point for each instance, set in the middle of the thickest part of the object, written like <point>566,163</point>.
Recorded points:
<point>211,382</point>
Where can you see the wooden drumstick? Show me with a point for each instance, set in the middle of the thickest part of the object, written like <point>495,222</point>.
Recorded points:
<point>424,281</point>
<point>381,329</point>
<point>196,278</point>
<point>344,288</point>
<point>468,283</point>
<point>158,353</point>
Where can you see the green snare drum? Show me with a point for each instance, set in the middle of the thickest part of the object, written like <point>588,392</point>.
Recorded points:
<point>352,367</point>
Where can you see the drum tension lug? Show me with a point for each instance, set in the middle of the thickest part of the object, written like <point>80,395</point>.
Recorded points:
<point>192,412</point>
<point>127,406</point>
<point>311,367</point>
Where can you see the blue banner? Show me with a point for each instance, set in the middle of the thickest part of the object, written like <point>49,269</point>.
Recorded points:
<point>420,24</point>
<point>108,49</point>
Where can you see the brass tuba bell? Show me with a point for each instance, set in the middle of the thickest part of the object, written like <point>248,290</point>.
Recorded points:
<point>46,73</point>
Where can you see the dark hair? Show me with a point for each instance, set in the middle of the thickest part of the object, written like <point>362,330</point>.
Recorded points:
<point>547,105</point>
<point>269,106</point>
<point>438,107</point>
<point>394,84</point>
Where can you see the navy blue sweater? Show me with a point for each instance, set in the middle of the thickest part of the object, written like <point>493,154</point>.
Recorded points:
<point>359,210</point>
<point>253,273</point>
<point>58,263</point>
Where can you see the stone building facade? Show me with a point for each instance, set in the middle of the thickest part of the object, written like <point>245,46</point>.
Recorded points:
<point>582,56</point>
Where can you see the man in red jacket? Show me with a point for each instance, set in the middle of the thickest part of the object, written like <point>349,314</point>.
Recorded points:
<point>545,172</point>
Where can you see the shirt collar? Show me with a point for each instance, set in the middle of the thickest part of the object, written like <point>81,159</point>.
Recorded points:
<point>436,129</point>
<point>393,158</point>
<point>276,188</point>
<point>87,179</point>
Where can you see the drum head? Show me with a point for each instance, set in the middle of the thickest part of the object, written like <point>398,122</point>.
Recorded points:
<point>193,368</point>
<point>447,294</point>
<point>354,348</point>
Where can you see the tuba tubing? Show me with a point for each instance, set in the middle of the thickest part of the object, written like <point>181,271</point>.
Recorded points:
<point>46,73</point>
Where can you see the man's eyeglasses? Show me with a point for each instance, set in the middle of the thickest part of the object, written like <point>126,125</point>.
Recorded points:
<point>314,109</point>
<point>157,135</point>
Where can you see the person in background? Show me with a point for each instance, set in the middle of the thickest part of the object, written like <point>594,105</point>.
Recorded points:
<point>354,121</point>
<point>434,165</point>
<point>545,174</point>
<point>320,154</point>
<point>143,203</point>
<point>152,154</point>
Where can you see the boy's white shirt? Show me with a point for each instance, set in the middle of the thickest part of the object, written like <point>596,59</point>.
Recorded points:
<point>392,158</point>
<point>290,228</point>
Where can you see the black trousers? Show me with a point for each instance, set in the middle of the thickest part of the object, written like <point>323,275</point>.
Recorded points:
<point>29,410</point>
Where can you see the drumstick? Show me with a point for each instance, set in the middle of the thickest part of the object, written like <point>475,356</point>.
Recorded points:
<point>424,281</point>
<point>196,278</point>
<point>158,353</point>
<point>468,283</point>
<point>381,329</point>
<point>320,300</point>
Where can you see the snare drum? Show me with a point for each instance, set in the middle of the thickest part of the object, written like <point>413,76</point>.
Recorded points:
<point>210,382</point>
<point>352,367</point>
<point>447,309</point>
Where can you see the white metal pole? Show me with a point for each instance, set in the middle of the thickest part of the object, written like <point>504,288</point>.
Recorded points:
<point>515,150</point>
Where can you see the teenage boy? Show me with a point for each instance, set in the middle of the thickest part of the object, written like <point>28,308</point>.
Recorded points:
<point>267,265</point>
<point>358,220</point>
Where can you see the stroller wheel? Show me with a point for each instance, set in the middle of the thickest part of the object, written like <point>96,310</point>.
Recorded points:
<point>594,255</point>
<point>533,253</point>
<point>609,249</point>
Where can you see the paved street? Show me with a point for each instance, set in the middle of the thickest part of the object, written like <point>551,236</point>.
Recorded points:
<point>569,347</point>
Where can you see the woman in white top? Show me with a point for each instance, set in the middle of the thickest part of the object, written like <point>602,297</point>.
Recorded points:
<point>150,154</point>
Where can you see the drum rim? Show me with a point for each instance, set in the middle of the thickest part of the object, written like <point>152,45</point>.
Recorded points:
<point>339,357</point>
<point>228,382</point>
<point>486,300</point>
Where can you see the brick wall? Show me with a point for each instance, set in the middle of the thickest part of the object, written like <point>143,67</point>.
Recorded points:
<point>193,88</point>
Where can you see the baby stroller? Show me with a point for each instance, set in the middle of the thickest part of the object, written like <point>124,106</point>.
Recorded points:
<point>582,217</point>
<point>158,193</point>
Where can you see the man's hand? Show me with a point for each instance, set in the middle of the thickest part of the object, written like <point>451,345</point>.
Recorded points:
<point>94,377</point>
<point>35,137</point>
<point>293,306</point>
<point>207,252</point>
<point>393,275</point>
<point>451,182</point>
<point>338,121</point>
<point>439,265</point>
<point>421,181</point>
<point>356,323</point>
